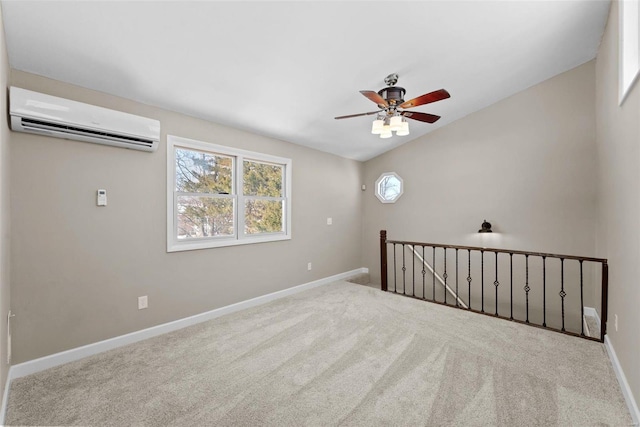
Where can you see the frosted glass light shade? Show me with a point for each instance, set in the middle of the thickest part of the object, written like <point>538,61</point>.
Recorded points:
<point>386,132</point>
<point>376,127</point>
<point>395,123</point>
<point>404,129</point>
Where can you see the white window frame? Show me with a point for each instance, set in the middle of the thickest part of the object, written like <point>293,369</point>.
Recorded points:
<point>382,177</point>
<point>238,237</point>
<point>629,46</point>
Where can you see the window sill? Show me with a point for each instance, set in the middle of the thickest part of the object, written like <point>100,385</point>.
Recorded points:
<point>221,243</point>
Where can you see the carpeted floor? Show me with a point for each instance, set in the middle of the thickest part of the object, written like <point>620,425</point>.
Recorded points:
<point>341,354</point>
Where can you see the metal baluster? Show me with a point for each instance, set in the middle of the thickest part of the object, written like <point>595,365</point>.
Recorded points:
<point>526,285</point>
<point>469,277</point>
<point>562,292</point>
<point>496,283</point>
<point>544,291</point>
<point>423,274</point>
<point>444,276</point>
<point>457,295</point>
<point>433,276</point>
<point>395,275</point>
<point>482,280</point>
<point>581,302</point>
<point>404,273</point>
<point>511,283</point>
<point>413,270</point>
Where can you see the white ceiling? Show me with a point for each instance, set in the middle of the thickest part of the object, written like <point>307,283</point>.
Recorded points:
<point>285,69</point>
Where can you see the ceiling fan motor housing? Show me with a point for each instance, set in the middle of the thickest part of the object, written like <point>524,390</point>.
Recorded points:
<point>393,94</point>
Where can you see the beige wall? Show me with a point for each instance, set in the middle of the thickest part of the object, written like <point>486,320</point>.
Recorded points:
<point>618,145</point>
<point>5,228</point>
<point>526,164</point>
<point>77,269</point>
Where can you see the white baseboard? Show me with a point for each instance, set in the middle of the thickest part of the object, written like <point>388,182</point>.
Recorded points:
<point>5,398</point>
<point>590,311</point>
<point>622,380</point>
<point>37,365</point>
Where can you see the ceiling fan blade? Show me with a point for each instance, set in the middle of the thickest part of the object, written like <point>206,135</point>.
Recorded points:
<point>427,98</point>
<point>375,97</point>
<point>356,115</point>
<point>423,117</point>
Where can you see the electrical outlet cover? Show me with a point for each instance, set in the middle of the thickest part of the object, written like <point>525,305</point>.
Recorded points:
<point>143,302</point>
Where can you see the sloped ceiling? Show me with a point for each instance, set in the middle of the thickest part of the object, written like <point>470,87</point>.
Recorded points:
<point>286,69</point>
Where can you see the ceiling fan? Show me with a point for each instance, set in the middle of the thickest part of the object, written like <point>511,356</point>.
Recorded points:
<point>393,107</point>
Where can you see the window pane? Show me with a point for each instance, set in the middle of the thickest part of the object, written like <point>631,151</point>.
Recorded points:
<point>263,216</point>
<point>262,179</point>
<point>204,217</point>
<point>390,187</point>
<point>200,172</point>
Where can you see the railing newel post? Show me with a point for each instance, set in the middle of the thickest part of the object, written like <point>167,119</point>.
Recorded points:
<point>605,299</point>
<point>383,260</point>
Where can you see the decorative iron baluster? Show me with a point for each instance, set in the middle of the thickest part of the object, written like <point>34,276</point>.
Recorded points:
<point>469,278</point>
<point>562,292</point>
<point>444,276</point>
<point>413,271</point>
<point>482,280</point>
<point>526,285</point>
<point>385,258</point>
<point>581,302</point>
<point>544,291</point>
<point>457,294</point>
<point>424,296</point>
<point>404,273</point>
<point>496,283</point>
<point>433,276</point>
<point>395,275</point>
<point>511,284</point>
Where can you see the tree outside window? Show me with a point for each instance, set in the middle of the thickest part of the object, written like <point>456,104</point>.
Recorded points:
<point>220,196</point>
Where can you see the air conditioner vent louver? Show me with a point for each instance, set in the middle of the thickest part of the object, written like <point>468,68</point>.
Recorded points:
<point>37,125</point>
<point>42,114</point>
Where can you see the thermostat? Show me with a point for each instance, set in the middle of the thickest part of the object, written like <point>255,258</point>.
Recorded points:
<point>102,197</point>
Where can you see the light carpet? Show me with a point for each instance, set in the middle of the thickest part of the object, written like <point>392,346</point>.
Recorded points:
<point>341,354</point>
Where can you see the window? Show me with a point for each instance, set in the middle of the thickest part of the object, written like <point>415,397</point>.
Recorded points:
<point>389,187</point>
<point>629,41</point>
<point>221,196</point>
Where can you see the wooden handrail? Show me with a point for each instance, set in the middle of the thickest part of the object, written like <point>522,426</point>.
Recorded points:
<point>501,251</point>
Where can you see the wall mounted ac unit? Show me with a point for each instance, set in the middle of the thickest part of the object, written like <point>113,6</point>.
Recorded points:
<point>42,114</point>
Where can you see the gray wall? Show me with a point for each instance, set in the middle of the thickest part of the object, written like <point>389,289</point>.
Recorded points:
<point>5,228</point>
<point>618,144</point>
<point>77,269</point>
<point>526,164</point>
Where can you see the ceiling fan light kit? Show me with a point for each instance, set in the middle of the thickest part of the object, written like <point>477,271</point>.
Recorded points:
<point>404,130</point>
<point>376,126</point>
<point>392,113</point>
